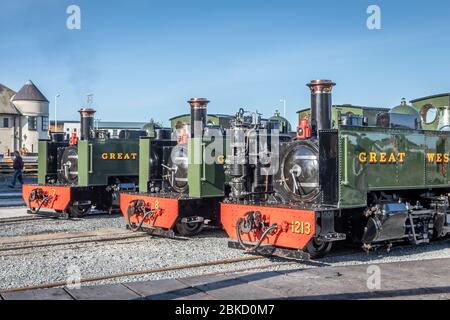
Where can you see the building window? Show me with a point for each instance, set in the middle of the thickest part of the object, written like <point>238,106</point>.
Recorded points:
<point>5,122</point>
<point>32,123</point>
<point>44,123</point>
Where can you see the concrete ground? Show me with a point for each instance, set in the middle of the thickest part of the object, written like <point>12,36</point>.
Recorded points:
<point>13,212</point>
<point>12,197</point>
<point>424,280</point>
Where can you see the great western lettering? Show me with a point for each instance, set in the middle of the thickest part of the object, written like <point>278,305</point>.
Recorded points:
<point>394,158</point>
<point>119,156</point>
<point>383,157</point>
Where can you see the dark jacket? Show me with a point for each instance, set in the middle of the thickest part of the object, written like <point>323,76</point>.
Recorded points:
<point>18,163</point>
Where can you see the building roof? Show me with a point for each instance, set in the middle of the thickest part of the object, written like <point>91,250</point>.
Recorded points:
<point>52,122</point>
<point>215,115</point>
<point>6,106</point>
<point>350,106</point>
<point>431,97</point>
<point>29,92</point>
<point>120,125</point>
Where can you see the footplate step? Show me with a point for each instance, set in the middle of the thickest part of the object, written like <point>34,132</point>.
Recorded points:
<point>268,250</point>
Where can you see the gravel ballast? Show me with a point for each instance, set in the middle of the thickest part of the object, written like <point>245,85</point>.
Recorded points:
<point>52,264</point>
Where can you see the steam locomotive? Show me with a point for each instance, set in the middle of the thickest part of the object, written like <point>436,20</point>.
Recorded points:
<point>177,193</point>
<point>74,176</point>
<point>181,184</point>
<point>371,178</point>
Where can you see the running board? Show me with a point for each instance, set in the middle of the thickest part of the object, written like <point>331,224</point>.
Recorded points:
<point>193,220</point>
<point>48,214</point>
<point>268,250</point>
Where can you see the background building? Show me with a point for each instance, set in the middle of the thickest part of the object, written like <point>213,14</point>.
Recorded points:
<point>23,119</point>
<point>113,128</point>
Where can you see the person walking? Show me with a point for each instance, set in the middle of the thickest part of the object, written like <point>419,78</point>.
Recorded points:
<point>18,167</point>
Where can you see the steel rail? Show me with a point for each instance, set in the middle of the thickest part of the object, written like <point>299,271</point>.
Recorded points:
<point>54,244</point>
<point>136,273</point>
<point>24,219</point>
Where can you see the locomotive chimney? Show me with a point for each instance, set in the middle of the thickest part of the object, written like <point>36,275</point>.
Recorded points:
<point>199,116</point>
<point>321,104</point>
<point>87,123</point>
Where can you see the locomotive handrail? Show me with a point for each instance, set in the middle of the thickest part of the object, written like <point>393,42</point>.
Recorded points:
<point>345,177</point>
<point>91,162</point>
<point>203,178</point>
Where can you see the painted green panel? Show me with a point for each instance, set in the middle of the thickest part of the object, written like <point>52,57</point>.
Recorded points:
<point>213,186</point>
<point>83,163</point>
<point>205,175</point>
<point>434,173</point>
<point>380,174</point>
<point>42,161</point>
<point>195,166</point>
<point>353,179</point>
<point>412,172</point>
<point>415,172</point>
<point>144,164</point>
<point>112,158</point>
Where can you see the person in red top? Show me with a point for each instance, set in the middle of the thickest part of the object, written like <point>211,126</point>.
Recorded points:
<point>73,138</point>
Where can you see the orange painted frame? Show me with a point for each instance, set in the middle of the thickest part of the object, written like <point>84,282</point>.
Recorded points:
<point>60,196</point>
<point>291,232</point>
<point>166,214</point>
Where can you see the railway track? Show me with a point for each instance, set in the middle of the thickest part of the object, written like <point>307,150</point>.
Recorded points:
<point>18,244</point>
<point>21,219</point>
<point>23,243</point>
<point>144,272</point>
<point>33,218</point>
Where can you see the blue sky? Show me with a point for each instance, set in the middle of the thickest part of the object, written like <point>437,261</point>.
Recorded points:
<point>145,58</point>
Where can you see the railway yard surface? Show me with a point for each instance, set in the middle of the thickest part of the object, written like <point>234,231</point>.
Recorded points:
<point>113,263</point>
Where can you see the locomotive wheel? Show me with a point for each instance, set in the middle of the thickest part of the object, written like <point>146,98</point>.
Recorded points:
<point>318,249</point>
<point>189,229</point>
<point>79,211</point>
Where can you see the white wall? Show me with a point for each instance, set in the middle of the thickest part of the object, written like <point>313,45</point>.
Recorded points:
<point>7,135</point>
<point>5,140</point>
<point>30,138</point>
<point>32,107</point>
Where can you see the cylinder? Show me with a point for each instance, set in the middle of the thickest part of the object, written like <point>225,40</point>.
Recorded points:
<point>199,116</point>
<point>321,104</point>
<point>86,123</point>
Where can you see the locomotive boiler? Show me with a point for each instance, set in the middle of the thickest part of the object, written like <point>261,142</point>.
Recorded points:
<point>374,178</point>
<point>76,175</point>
